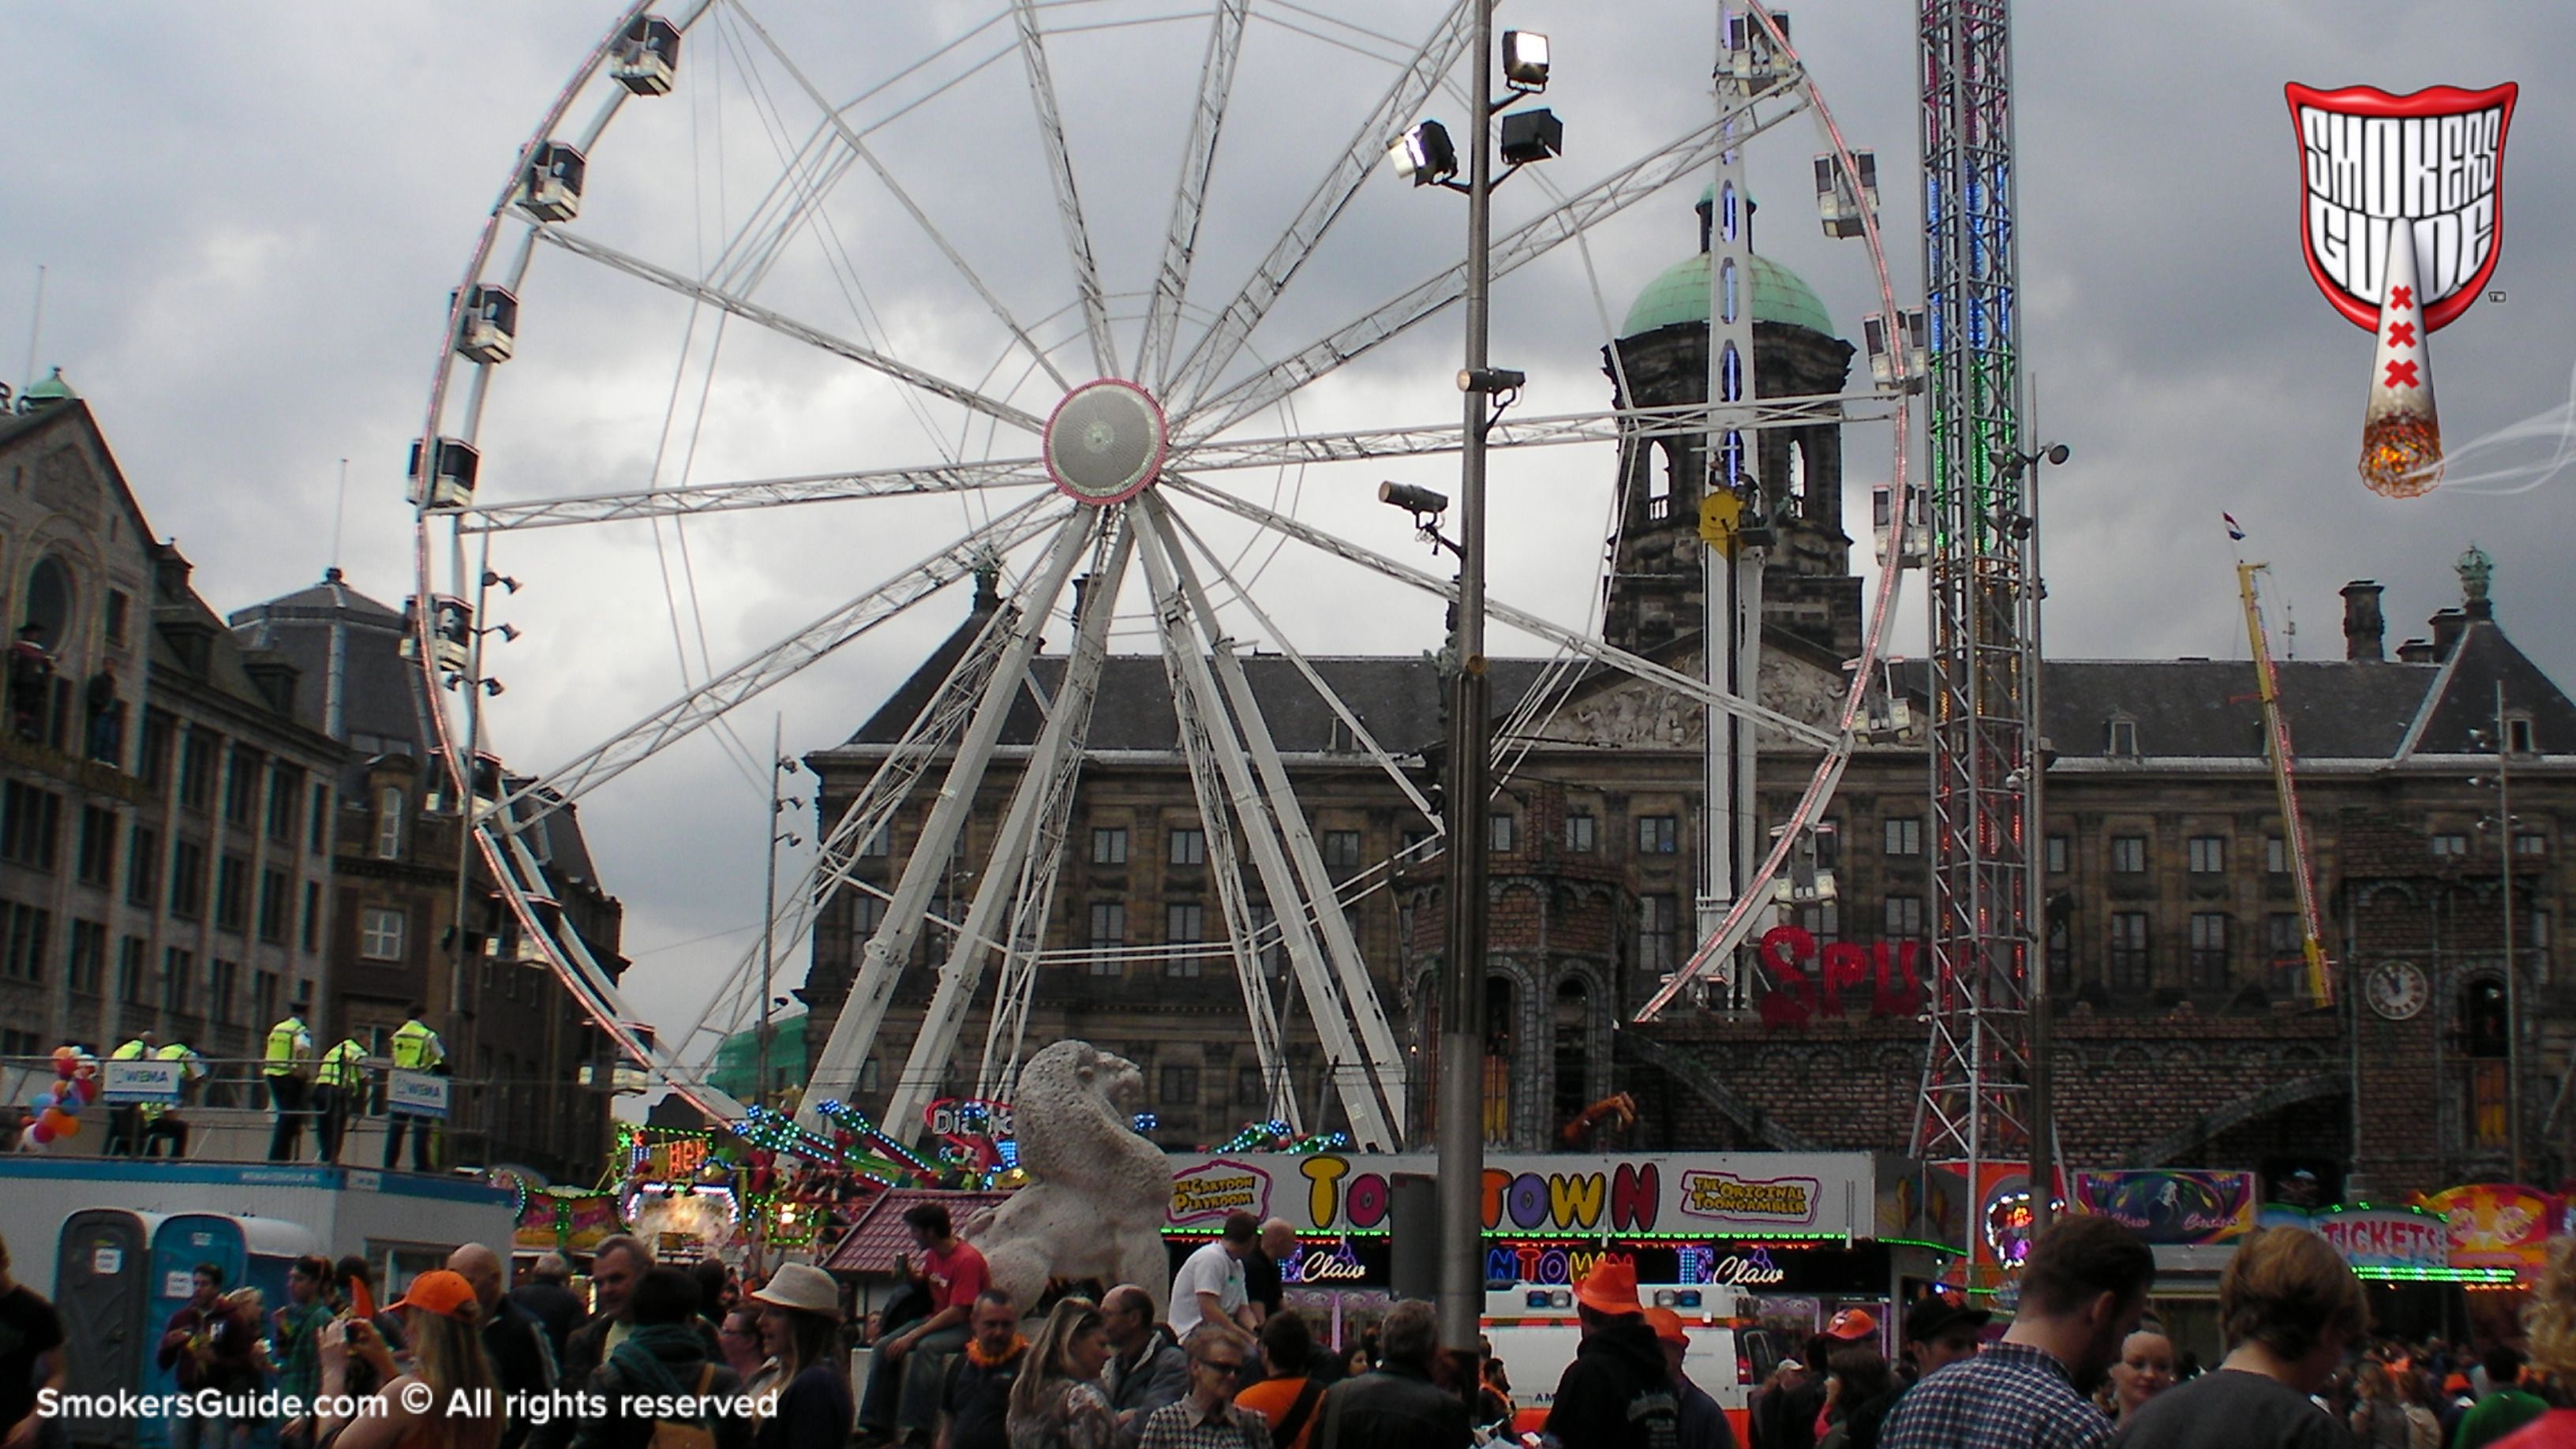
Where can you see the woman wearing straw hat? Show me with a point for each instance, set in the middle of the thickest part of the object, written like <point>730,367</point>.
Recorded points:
<point>442,1318</point>
<point>800,1326</point>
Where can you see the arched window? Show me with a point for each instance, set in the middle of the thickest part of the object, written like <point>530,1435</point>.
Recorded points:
<point>1571,1029</point>
<point>46,619</point>
<point>389,823</point>
<point>1499,1020</point>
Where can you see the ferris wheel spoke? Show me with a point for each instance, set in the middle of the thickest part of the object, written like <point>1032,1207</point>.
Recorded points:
<point>1068,201</point>
<point>1350,718</point>
<point>850,137</point>
<point>1682,420</point>
<point>1524,244</point>
<point>1189,198</point>
<point>700,498</point>
<point>1043,793</point>
<point>1241,316</point>
<point>1271,820</point>
<point>783,660</point>
<point>882,956</point>
<point>1797,730</point>
<point>787,326</point>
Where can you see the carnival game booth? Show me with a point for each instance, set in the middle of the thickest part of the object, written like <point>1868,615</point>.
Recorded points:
<point>1802,1235</point>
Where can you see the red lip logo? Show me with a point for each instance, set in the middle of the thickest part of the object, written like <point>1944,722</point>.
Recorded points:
<point>2368,161</point>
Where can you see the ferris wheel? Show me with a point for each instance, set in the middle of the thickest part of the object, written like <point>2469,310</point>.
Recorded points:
<point>903,331</point>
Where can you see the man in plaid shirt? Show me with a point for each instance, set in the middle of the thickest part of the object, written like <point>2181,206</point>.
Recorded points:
<point>2082,1291</point>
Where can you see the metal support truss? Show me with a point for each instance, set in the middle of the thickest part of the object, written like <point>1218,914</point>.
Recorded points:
<point>1975,1104</point>
<point>882,958</point>
<point>1044,791</point>
<point>1368,1070</point>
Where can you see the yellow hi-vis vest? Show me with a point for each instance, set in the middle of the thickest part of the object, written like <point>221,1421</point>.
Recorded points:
<point>344,1065</point>
<point>416,1048</point>
<point>290,1048</point>
<point>131,1051</point>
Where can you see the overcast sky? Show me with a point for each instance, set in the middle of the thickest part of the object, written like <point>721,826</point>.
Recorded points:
<point>251,216</point>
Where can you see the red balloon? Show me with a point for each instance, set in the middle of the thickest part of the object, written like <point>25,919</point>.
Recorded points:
<point>65,1064</point>
<point>84,1090</point>
<point>40,1134</point>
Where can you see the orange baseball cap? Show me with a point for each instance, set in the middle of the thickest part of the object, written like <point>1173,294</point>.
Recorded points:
<point>1852,1323</point>
<point>1610,1288</point>
<point>1668,1326</point>
<point>439,1291</point>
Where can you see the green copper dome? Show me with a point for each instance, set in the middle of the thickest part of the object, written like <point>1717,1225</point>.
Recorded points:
<point>51,390</point>
<point>1681,295</point>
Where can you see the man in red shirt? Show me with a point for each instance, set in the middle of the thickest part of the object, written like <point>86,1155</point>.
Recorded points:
<point>906,1367</point>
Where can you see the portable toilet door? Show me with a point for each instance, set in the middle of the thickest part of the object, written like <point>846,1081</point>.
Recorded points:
<point>183,1241</point>
<point>103,1289</point>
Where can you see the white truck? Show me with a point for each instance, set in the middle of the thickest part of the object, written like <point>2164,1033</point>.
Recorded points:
<point>1534,1332</point>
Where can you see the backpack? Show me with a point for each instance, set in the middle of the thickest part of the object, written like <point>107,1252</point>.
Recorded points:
<point>686,1433</point>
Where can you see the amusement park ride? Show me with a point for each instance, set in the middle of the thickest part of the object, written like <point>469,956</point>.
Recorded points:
<point>1137,440</point>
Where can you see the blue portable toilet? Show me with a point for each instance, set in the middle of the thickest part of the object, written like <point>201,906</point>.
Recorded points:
<point>103,1288</point>
<point>250,1251</point>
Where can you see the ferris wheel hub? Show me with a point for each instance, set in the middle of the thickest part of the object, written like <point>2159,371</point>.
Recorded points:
<point>1106,442</point>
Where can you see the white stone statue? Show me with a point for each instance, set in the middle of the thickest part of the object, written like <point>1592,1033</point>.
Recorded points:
<point>1097,1191</point>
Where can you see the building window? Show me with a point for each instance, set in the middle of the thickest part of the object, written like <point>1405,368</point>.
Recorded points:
<point>1341,850</point>
<point>1502,831</point>
<point>241,785</point>
<point>2060,852</point>
<point>2518,736</point>
<point>2130,967</point>
<point>1824,921</point>
<point>196,769</point>
<point>22,953</point>
<point>1180,1086</point>
<point>1904,918</point>
<point>380,933</point>
<point>232,893</point>
<point>1269,943</point>
<point>178,988</point>
<point>1582,833</point>
<point>263,997</point>
<point>1188,846</point>
<point>143,869</point>
<point>873,845</point>
<point>221,979</point>
<point>120,613</point>
<point>31,822</point>
<point>285,793</point>
<point>2487,1105</point>
<point>1184,928</point>
<point>158,731</point>
<point>2276,855</point>
<point>274,889</point>
<point>389,823</point>
<point>87,964</point>
<point>2208,854</point>
<point>133,968</point>
<point>2535,930</point>
<point>1904,835</point>
<point>2209,963</point>
<point>2061,954</point>
<point>187,880</point>
<point>2450,846</point>
<point>1658,835</point>
<point>1658,930</point>
<point>2128,855</point>
<point>1109,845</point>
<point>2530,843</point>
<point>2284,939</point>
<point>96,865</point>
<point>2124,738</point>
<point>1249,1094</point>
<point>867,915</point>
<point>321,821</point>
<point>313,915</point>
<point>1108,937</point>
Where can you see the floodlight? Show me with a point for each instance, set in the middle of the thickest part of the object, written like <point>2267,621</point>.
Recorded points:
<point>1525,59</point>
<point>1424,154</point>
<point>1532,136</point>
<point>1412,498</point>
<point>1490,379</point>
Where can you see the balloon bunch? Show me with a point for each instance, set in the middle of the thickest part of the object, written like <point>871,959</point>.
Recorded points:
<point>57,1113</point>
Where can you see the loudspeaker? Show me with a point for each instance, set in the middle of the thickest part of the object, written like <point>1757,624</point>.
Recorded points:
<point>1413,1236</point>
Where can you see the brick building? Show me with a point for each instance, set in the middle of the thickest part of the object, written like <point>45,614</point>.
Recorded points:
<point>161,855</point>
<point>2184,1035</point>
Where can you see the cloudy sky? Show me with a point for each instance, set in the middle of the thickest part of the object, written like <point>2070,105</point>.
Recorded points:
<point>250,218</point>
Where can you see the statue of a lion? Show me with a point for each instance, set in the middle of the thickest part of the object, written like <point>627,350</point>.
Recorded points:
<point>1097,1192</point>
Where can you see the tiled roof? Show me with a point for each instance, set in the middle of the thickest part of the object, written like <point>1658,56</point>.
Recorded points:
<point>880,1234</point>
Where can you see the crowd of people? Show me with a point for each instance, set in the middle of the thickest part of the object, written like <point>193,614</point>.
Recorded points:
<point>462,1361</point>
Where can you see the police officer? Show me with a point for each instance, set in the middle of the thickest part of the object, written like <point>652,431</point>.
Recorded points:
<point>415,1048</point>
<point>125,1122</point>
<point>339,1084</point>
<point>162,1127</point>
<point>289,1069</point>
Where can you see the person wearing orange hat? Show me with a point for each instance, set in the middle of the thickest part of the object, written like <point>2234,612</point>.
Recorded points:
<point>443,1319</point>
<point>1703,1422</point>
<point>1617,1391</point>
